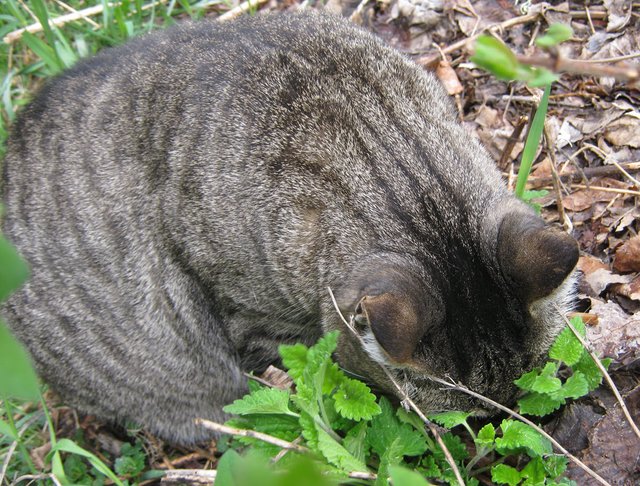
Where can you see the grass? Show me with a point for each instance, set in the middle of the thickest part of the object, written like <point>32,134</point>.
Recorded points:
<point>25,64</point>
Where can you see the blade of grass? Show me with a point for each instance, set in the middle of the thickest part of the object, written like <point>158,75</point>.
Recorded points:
<point>533,140</point>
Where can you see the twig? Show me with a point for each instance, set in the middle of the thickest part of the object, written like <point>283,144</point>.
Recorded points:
<point>428,59</point>
<point>189,476</point>
<point>65,19</point>
<point>566,222</point>
<point>511,142</point>
<point>603,170</point>
<point>464,389</point>
<point>604,372</point>
<point>561,65</point>
<point>607,189</point>
<point>240,9</point>
<point>405,397</point>
<point>207,424</point>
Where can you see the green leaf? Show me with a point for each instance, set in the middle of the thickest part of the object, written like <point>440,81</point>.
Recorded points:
<point>486,436</point>
<point>542,77</point>
<point>17,378</point>
<point>354,400</point>
<point>547,382</point>
<point>492,55</point>
<point>590,370</point>
<point>355,442</point>
<point>225,470</point>
<point>265,400</point>
<point>336,454</point>
<point>76,470</point>
<point>66,445</point>
<point>534,472</point>
<point>450,419</point>
<point>519,436</point>
<point>294,359</point>
<point>556,34</point>
<point>309,431</point>
<point>532,142</point>
<point>525,382</point>
<point>385,428</point>
<point>6,430</point>
<point>282,426</point>
<point>566,347</point>
<point>503,474</point>
<point>576,386</point>
<point>555,465</point>
<point>45,52</point>
<point>392,456</point>
<point>411,418</point>
<point>429,467</point>
<point>539,404</point>
<point>131,462</point>
<point>456,447</point>
<point>13,270</point>
<point>402,476</point>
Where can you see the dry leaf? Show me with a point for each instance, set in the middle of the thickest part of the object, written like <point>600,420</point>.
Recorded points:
<point>625,131</point>
<point>627,258</point>
<point>448,77</point>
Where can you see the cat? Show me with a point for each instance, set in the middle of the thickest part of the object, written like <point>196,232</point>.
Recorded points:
<point>186,200</point>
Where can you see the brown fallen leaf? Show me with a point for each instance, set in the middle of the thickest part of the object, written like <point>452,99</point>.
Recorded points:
<point>624,131</point>
<point>583,199</point>
<point>617,334</point>
<point>448,77</point>
<point>629,290</point>
<point>627,257</point>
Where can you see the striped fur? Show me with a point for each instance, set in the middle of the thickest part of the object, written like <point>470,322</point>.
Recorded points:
<point>185,200</point>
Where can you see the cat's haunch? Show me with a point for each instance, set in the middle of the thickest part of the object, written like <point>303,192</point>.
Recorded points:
<point>185,200</point>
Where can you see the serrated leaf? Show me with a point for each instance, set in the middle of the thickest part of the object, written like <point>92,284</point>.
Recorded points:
<point>503,474</point>
<point>355,442</point>
<point>566,348</point>
<point>354,400</point>
<point>518,435</point>
<point>392,456</point>
<point>309,431</point>
<point>539,404</point>
<point>410,418</point>
<point>546,384</point>
<point>264,401</point>
<point>576,386</point>
<point>590,370</point>
<point>486,436</point>
<point>333,377</point>
<point>402,476</point>
<point>294,358</point>
<point>555,465</point>
<point>429,467</point>
<point>525,382</point>
<point>492,55</point>
<point>385,428</point>
<point>534,472</point>
<point>282,426</point>
<point>456,447</point>
<point>555,34</point>
<point>450,419</point>
<point>336,454</point>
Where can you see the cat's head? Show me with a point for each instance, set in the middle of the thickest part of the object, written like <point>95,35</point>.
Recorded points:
<point>482,317</point>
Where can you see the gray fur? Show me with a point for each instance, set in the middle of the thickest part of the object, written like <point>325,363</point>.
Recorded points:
<point>185,200</point>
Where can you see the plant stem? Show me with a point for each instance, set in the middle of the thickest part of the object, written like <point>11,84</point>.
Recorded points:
<point>533,140</point>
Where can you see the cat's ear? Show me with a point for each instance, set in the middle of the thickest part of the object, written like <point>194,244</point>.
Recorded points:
<point>395,322</point>
<point>534,257</point>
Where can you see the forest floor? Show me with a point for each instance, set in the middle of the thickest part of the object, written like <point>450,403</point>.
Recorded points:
<point>588,167</point>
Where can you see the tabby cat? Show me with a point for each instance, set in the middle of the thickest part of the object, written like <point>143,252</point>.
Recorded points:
<point>185,200</point>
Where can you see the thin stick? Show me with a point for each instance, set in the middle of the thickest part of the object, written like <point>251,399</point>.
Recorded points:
<point>405,398</point>
<point>560,65</point>
<point>189,476</point>
<point>429,59</point>
<point>557,183</point>
<point>464,389</point>
<point>207,424</point>
<point>240,9</point>
<point>607,189</point>
<point>603,370</point>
